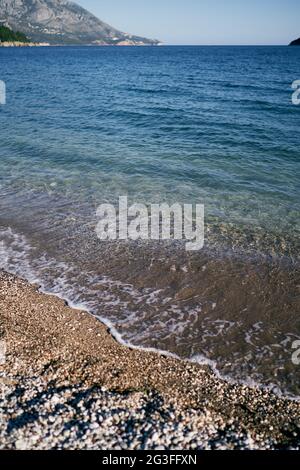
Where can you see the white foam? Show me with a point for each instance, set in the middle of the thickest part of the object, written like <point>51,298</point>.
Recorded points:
<point>18,257</point>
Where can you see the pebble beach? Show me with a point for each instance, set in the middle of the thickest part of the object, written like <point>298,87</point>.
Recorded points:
<point>66,383</point>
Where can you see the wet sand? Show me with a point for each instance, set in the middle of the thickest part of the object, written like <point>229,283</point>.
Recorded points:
<point>128,398</point>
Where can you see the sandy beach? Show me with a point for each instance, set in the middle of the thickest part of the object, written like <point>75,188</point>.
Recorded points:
<point>67,384</point>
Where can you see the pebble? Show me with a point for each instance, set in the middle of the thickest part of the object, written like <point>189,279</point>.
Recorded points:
<point>97,419</point>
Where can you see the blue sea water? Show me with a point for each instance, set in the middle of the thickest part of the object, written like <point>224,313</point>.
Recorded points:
<point>212,125</point>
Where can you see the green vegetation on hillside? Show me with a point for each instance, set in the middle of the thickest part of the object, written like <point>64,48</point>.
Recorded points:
<point>7,35</point>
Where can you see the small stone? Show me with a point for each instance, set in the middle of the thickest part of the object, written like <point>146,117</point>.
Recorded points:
<point>21,444</point>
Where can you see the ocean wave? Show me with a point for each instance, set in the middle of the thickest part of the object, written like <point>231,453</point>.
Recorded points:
<point>104,297</point>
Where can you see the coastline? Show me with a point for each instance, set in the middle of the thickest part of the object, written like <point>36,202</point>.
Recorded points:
<point>46,44</point>
<point>23,44</point>
<point>76,379</point>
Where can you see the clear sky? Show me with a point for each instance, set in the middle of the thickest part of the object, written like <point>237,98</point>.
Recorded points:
<point>203,21</point>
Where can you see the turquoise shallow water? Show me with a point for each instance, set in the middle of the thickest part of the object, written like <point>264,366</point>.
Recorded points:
<point>212,125</point>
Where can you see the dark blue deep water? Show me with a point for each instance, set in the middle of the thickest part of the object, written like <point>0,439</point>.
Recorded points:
<point>212,125</point>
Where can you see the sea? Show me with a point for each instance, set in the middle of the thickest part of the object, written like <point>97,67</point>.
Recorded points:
<point>83,126</point>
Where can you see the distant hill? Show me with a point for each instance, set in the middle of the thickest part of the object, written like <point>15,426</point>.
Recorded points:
<point>62,22</point>
<point>7,35</point>
<point>295,43</point>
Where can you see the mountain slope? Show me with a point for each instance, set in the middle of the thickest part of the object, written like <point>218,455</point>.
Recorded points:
<point>62,22</point>
<point>7,35</point>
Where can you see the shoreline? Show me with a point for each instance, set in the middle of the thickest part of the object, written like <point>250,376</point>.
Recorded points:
<point>23,44</point>
<point>46,44</point>
<point>52,346</point>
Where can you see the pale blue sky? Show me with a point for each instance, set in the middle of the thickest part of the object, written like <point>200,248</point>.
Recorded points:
<point>203,21</point>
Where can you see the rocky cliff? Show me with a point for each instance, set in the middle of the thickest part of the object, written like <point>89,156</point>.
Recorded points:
<point>62,22</point>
